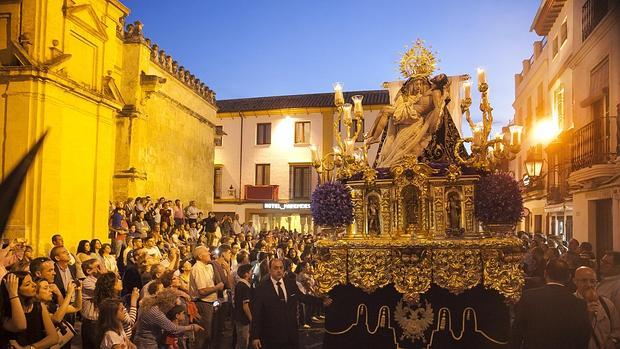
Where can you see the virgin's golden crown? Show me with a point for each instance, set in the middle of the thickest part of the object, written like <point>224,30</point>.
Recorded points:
<point>418,61</point>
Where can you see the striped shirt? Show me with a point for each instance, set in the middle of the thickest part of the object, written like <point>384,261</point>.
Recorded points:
<point>89,308</point>
<point>151,324</point>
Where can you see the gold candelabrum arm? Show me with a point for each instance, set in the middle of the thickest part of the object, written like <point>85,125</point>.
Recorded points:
<point>347,159</point>
<point>465,104</point>
<point>485,154</point>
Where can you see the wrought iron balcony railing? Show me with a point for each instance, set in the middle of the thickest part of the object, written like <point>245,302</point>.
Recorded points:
<point>592,143</point>
<point>592,13</point>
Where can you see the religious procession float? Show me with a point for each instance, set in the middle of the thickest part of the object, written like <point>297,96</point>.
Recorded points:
<point>421,250</point>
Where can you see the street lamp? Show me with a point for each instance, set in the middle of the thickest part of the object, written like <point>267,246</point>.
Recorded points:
<point>533,165</point>
<point>232,192</point>
<point>534,162</point>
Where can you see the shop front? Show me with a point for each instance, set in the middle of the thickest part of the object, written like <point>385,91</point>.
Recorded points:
<point>275,215</point>
<point>560,218</point>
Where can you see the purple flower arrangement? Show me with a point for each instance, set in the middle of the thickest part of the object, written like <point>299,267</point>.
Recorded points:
<point>498,199</point>
<point>332,205</point>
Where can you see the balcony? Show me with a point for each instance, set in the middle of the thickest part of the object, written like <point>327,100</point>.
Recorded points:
<point>592,144</point>
<point>559,167</point>
<point>260,193</point>
<point>592,13</point>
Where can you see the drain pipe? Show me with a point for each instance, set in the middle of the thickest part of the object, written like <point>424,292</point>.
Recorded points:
<point>240,157</point>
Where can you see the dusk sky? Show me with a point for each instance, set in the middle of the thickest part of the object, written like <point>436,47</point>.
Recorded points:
<point>250,48</point>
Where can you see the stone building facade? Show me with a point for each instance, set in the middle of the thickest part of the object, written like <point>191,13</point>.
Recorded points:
<point>125,119</point>
<point>571,83</point>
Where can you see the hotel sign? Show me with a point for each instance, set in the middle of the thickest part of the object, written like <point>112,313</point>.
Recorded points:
<point>289,206</point>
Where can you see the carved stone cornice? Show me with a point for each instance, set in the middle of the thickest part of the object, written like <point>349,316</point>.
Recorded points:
<point>131,173</point>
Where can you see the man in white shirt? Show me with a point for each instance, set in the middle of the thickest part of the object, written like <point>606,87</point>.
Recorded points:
<point>236,225</point>
<point>610,270</point>
<point>202,288</point>
<point>249,228</point>
<point>603,314</point>
<point>151,249</point>
<point>191,212</point>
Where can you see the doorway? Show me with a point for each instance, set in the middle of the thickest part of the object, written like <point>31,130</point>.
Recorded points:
<point>604,226</point>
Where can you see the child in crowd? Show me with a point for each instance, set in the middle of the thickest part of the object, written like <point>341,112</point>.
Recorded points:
<point>177,316</point>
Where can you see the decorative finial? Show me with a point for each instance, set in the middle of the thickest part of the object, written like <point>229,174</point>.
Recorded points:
<point>418,61</point>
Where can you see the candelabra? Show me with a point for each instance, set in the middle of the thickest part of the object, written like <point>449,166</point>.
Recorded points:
<point>486,153</point>
<point>346,159</point>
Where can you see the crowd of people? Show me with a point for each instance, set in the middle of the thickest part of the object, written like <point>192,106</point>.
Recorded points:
<point>571,298</point>
<point>169,277</point>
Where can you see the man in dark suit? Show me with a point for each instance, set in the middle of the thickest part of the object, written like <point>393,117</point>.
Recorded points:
<point>274,310</point>
<point>551,317</point>
<point>65,274</point>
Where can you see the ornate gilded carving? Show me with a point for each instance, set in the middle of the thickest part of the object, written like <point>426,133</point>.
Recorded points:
<point>411,272</point>
<point>454,172</point>
<point>358,211</point>
<point>457,270</point>
<point>386,215</point>
<point>503,272</point>
<point>468,203</point>
<point>411,265</point>
<point>369,269</point>
<point>438,205</point>
<point>332,268</point>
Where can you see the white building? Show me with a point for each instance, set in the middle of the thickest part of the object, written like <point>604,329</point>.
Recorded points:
<point>567,97</point>
<point>263,160</point>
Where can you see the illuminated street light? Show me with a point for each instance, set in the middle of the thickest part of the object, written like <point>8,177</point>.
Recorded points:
<point>534,164</point>
<point>545,132</point>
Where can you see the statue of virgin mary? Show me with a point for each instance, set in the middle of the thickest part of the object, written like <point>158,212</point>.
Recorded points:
<point>411,121</point>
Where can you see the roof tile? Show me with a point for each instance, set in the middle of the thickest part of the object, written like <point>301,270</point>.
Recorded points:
<point>371,97</point>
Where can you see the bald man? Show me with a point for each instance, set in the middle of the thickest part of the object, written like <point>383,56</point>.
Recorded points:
<point>603,314</point>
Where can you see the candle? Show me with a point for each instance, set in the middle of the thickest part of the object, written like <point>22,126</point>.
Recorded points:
<point>346,108</point>
<point>358,111</point>
<point>336,150</point>
<point>477,132</point>
<point>482,76</point>
<point>467,86</point>
<point>515,132</point>
<point>315,156</point>
<point>338,95</point>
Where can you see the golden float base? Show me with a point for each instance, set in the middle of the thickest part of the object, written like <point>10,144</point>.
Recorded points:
<point>412,265</point>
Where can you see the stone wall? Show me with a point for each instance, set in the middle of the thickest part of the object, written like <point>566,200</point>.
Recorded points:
<point>121,123</point>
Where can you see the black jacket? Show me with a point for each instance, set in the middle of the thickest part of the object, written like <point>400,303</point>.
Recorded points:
<point>58,278</point>
<point>550,317</point>
<point>275,322</point>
